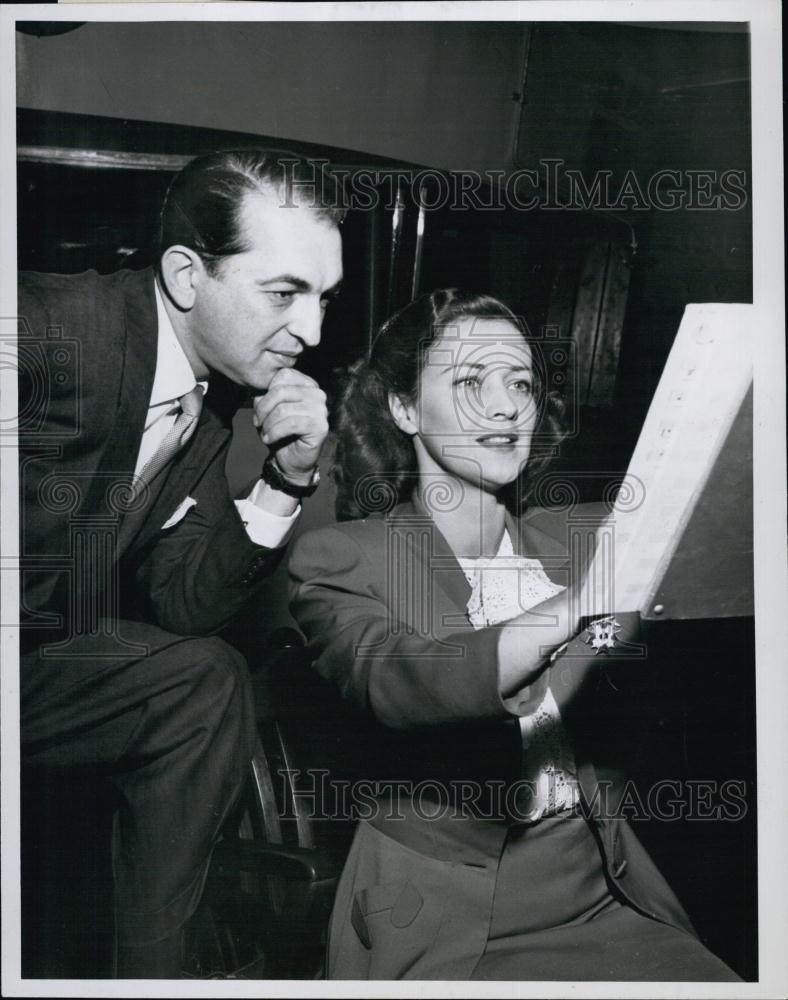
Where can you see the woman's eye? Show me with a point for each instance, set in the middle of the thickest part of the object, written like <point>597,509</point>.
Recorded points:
<point>522,385</point>
<point>468,381</point>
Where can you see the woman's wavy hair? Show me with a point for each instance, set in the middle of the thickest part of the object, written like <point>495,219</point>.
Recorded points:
<point>375,462</point>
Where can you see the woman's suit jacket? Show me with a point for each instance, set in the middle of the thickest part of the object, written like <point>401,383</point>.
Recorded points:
<point>383,602</point>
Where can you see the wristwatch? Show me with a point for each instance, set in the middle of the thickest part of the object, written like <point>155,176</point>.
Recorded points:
<point>272,475</point>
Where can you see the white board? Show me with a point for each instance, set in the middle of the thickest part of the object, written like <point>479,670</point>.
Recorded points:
<point>705,380</point>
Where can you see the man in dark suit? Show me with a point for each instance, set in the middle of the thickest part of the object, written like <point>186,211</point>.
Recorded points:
<point>133,553</point>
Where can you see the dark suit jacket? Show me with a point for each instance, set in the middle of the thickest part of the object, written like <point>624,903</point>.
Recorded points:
<point>87,348</point>
<point>383,602</point>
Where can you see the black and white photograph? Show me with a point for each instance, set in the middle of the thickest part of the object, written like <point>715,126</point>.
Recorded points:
<point>393,500</point>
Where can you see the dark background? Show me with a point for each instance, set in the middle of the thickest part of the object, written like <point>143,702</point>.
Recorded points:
<point>599,97</point>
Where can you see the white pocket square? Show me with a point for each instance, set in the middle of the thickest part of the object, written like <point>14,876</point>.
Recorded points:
<point>180,513</point>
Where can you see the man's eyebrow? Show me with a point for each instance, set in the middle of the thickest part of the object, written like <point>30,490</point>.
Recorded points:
<point>299,284</point>
<point>289,279</point>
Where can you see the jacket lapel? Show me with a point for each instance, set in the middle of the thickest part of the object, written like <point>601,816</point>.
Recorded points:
<point>546,535</point>
<point>177,482</point>
<point>213,430</point>
<point>546,541</point>
<point>138,370</point>
<point>130,330</point>
<point>449,589</point>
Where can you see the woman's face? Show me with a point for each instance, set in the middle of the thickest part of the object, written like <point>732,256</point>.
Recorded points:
<point>474,413</point>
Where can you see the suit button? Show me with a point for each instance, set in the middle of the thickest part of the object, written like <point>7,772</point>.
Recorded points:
<point>620,868</point>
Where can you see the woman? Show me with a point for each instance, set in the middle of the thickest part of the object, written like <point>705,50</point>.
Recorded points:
<point>443,612</point>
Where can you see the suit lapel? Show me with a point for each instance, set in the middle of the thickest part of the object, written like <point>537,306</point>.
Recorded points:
<point>138,370</point>
<point>535,541</point>
<point>140,349</point>
<point>191,463</point>
<point>176,482</point>
<point>213,430</point>
<point>447,588</point>
<point>121,375</point>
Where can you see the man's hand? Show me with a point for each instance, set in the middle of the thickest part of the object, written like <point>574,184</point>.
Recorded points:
<point>293,422</point>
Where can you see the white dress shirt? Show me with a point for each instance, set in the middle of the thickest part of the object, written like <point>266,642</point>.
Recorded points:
<point>173,378</point>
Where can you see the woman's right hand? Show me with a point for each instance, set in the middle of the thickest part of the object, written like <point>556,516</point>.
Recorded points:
<point>527,642</point>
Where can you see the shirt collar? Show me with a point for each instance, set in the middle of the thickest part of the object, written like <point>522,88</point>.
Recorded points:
<point>505,552</point>
<point>174,376</point>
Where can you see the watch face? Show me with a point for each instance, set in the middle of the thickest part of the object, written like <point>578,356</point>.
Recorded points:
<point>272,475</point>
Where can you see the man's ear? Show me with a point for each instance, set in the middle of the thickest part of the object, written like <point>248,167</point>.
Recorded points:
<point>404,414</point>
<point>181,271</point>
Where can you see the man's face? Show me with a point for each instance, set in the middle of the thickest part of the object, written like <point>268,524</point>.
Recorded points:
<point>263,307</point>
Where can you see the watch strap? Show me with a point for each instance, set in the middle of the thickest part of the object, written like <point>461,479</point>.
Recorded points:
<point>273,475</point>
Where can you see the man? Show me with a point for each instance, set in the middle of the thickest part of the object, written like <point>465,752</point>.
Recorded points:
<point>134,554</point>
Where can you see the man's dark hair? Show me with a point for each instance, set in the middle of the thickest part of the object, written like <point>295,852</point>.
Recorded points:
<point>202,207</point>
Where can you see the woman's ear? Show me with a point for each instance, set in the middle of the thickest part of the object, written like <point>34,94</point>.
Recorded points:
<point>181,271</point>
<point>404,414</point>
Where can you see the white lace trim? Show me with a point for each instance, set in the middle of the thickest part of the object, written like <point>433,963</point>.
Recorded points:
<point>503,587</point>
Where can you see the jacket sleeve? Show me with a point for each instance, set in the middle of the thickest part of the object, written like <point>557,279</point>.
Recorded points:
<point>199,574</point>
<point>403,676</point>
<point>385,666</point>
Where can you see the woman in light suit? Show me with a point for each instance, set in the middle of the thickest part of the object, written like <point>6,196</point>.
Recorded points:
<point>449,615</point>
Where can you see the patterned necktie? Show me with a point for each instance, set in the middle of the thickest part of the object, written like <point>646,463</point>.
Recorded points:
<point>173,441</point>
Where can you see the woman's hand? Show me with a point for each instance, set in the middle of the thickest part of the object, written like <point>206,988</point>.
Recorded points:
<point>527,642</point>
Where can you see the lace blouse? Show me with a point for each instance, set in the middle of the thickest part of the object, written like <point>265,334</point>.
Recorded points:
<point>503,587</point>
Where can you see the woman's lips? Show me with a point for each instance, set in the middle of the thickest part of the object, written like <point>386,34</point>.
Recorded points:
<point>498,440</point>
